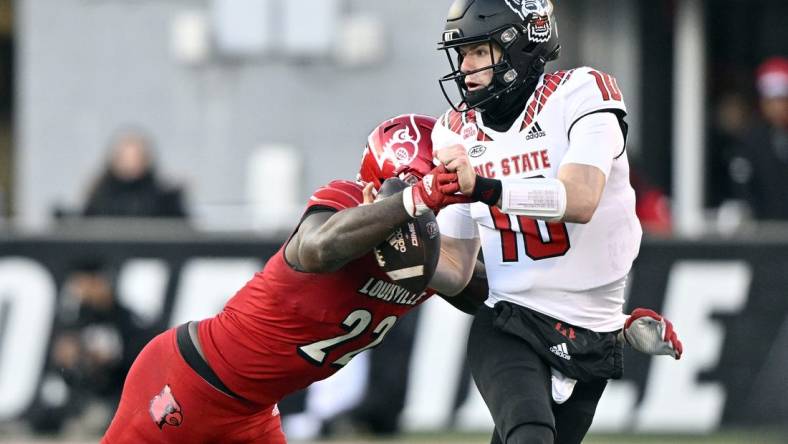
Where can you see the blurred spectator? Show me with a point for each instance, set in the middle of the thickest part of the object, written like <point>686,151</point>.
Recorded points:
<point>758,168</point>
<point>129,186</point>
<point>732,119</point>
<point>94,342</point>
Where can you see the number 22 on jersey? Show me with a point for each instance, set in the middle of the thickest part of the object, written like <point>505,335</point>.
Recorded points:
<point>355,323</point>
<point>543,240</point>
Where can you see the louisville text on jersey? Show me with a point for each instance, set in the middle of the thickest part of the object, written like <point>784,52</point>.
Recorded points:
<point>386,291</point>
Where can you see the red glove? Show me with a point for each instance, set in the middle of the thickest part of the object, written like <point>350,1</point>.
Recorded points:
<point>648,332</point>
<point>434,191</point>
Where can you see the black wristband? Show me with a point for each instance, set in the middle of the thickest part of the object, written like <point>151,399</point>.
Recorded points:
<point>487,190</point>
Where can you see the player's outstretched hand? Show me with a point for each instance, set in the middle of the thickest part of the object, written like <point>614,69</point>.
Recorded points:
<point>648,332</point>
<point>434,191</point>
<point>455,158</point>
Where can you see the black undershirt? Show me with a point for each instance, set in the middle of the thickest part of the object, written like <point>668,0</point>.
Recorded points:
<point>503,111</point>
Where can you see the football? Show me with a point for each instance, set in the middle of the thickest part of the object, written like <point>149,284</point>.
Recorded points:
<point>410,255</point>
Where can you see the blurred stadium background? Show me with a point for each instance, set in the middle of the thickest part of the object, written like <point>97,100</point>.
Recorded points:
<point>248,105</point>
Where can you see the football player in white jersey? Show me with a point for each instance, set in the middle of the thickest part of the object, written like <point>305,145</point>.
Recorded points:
<point>543,157</point>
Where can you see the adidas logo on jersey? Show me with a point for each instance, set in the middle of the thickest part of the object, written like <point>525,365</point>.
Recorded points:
<point>561,351</point>
<point>535,132</point>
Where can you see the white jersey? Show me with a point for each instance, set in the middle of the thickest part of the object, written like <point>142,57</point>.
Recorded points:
<point>572,272</point>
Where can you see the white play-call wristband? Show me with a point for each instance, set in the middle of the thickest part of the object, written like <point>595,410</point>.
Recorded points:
<point>539,198</point>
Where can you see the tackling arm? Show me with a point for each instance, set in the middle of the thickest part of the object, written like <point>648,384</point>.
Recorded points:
<point>326,241</point>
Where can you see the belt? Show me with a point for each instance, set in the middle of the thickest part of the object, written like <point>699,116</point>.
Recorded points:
<point>192,357</point>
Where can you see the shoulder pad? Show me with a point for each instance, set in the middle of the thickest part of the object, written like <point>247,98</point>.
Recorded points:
<point>338,194</point>
<point>455,127</point>
<point>588,91</point>
<point>550,83</point>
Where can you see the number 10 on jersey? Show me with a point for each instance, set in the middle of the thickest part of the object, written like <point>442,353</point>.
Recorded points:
<point>543,240</point>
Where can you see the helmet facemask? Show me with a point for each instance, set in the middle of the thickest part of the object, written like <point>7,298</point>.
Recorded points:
<point>501,70</point>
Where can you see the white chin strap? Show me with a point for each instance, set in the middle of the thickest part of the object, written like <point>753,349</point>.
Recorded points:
<point>539,198</point>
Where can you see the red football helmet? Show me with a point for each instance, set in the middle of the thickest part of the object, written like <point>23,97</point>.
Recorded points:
<point>399,147</point>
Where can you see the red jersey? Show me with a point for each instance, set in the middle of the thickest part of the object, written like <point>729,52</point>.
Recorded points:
<point>286,329</point>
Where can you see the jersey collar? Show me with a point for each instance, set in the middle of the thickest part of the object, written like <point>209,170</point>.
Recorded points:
<point>517,124</point>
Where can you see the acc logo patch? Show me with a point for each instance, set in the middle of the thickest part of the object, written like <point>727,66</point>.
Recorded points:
<point>164,409</point>
<point>477,151</point>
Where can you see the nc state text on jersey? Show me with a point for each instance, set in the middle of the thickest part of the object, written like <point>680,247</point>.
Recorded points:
<point>386,291</point>
<point>521,163</point>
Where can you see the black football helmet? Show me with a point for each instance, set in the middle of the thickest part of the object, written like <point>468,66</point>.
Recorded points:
<point>525,31</point>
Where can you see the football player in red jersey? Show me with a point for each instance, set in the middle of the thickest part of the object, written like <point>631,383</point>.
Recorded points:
<point>319,301</point>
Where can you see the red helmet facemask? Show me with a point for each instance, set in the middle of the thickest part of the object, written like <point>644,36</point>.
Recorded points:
<point>399,147</point>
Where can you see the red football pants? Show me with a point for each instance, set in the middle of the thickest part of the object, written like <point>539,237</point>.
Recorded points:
<point>165,401</point>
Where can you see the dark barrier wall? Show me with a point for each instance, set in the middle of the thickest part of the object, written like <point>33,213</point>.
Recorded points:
<point>730,303</point>
<point>728,300</point>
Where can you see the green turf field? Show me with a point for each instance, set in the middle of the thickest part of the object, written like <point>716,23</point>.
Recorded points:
<point>733,437</point>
